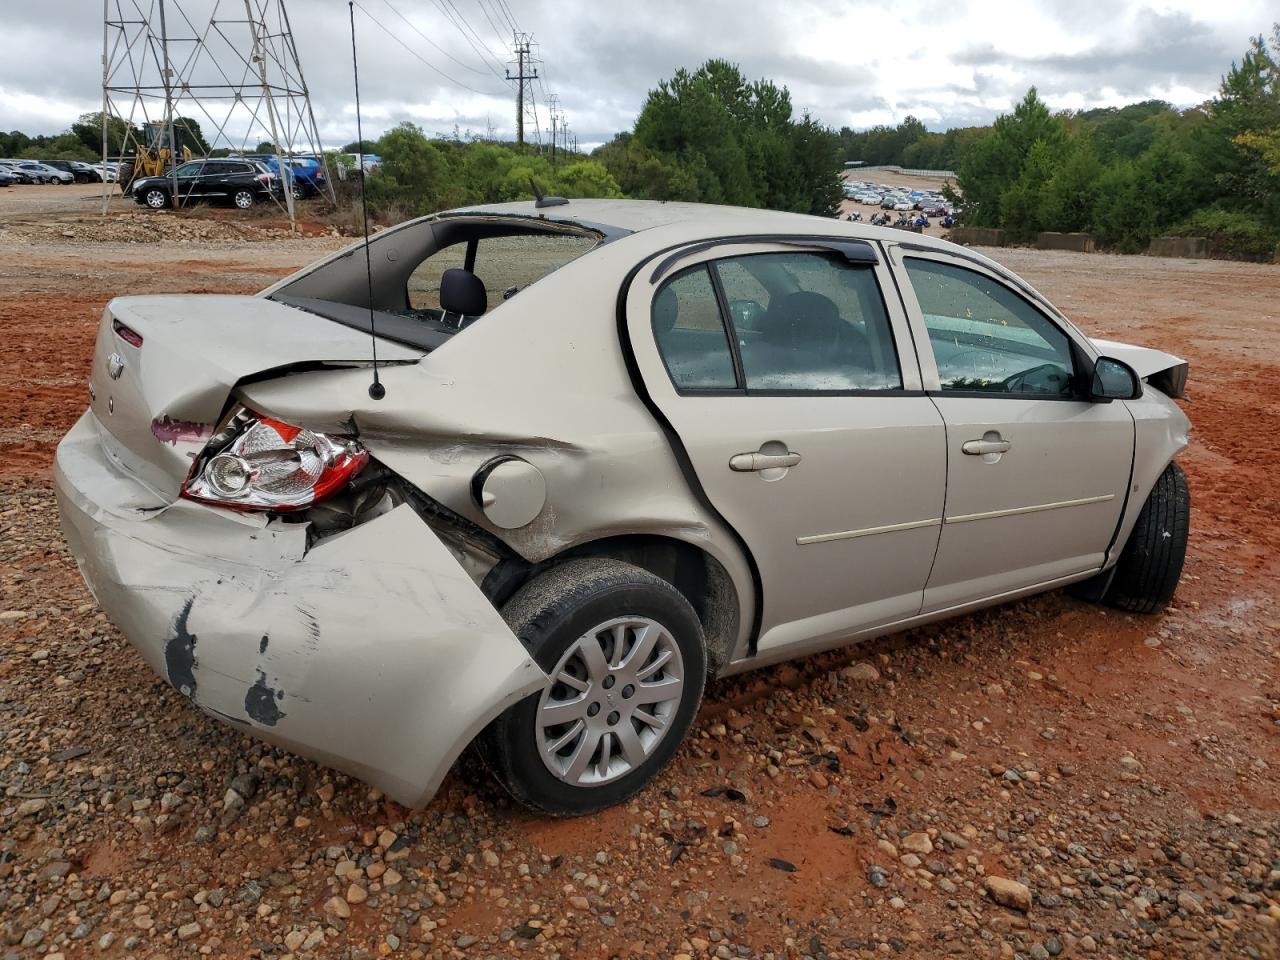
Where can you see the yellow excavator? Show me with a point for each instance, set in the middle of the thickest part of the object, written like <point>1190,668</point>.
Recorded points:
<point>154,157</point>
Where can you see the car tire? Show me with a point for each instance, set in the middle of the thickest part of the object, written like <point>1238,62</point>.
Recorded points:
<point>155,198</point>
<point>298,192</point>
<point>561,616</point>
<point>244,199</point>
<point>1151,563</point>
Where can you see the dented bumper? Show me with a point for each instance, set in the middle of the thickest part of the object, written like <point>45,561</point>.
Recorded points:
<point>372,652</point>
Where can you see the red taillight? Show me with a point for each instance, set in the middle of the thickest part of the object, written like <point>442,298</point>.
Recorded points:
<point>127,334</point>
<point>270,465</point>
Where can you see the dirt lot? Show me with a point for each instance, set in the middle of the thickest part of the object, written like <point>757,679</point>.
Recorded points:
<point>1119,776</point>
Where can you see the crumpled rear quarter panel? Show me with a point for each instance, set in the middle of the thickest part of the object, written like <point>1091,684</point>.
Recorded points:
<point>373,652</point>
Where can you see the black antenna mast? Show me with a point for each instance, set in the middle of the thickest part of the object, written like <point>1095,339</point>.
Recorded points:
<point>376,390</point>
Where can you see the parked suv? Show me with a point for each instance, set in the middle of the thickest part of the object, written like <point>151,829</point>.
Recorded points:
<point>239,182</point>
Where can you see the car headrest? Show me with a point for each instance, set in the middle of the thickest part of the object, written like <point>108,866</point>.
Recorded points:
<point>461,291</point>
<point>800,317</point>
<point>666,309</point>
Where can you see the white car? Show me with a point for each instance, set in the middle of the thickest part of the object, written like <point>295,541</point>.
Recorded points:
<point>628,446</point>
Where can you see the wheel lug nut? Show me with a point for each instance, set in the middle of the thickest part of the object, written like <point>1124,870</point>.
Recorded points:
<point>628,692</point>
<point>609,681</point>
<point>612,718</point>
<point>593,709</point>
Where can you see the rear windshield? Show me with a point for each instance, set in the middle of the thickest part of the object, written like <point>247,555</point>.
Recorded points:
<point>466,269</point>
<point>505,265</point>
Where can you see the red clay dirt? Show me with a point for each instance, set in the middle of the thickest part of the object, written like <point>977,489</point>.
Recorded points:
<point>1143,750</point>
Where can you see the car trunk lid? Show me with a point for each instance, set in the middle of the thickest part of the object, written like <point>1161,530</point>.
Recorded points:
<point>165,366</point>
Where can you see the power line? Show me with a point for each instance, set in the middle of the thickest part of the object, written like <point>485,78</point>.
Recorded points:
<point>464,27</point>
<point>496,32</point>
<point>430,41</point>
<point>506,12</point>
<point>414,53</point>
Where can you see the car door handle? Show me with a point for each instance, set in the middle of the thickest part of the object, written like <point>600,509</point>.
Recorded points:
<point>976,448</point>
<point>751,462</point>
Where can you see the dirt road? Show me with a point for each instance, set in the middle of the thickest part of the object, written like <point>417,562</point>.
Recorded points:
<point>1119,776</point>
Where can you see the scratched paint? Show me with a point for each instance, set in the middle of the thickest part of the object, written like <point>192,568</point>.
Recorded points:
<point>180,654</point>
<point>260,703</point>
<point>167,430</point>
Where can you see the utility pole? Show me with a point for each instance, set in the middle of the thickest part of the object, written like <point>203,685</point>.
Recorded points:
<point>553,106</point>
<point>523,62</point>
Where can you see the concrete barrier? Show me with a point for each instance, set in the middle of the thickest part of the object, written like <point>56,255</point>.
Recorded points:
<point>1194,247</point>
<point>1077,242</point>
<point>978,236</point>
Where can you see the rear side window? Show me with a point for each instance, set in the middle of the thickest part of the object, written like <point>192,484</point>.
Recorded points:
<point>809,323</point>
<point>985,337</point>
<point>690,334</point>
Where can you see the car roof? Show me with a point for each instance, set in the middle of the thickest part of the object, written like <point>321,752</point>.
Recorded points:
<point>687,221</point>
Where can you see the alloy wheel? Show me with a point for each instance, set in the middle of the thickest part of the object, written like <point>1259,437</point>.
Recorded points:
<point>611,700</point>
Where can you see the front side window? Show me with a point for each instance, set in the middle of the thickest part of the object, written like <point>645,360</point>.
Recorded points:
<point>504,265</point>
<point>809,322</point>
<point>189,169</point>
<point>985,337</point>
<point>690,334</point>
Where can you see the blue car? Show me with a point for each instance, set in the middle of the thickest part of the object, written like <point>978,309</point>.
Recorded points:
<point>304,174</point>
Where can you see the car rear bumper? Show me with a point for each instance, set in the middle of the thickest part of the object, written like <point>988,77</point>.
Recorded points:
<point>371,651</point>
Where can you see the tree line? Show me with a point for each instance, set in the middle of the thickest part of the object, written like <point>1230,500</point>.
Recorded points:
<point>1124,174</point>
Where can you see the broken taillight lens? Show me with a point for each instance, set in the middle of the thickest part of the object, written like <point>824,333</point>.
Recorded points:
<point>127,334</point>
<point>272,465</point>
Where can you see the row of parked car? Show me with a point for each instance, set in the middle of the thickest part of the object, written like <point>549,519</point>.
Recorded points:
<point>928,202</point>
<point>51,171</point>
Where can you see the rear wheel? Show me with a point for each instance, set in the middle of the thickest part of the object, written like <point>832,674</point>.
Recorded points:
<point>244,199</point>
<point>1151,564</point>
<point>625,655</point>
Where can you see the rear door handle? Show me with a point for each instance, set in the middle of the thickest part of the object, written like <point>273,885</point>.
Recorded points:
<point>976,448</point>
<point>752,462</point>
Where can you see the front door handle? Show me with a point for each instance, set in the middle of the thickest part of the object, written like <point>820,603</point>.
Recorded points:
<point>753,462</point>
<point>977,448</point>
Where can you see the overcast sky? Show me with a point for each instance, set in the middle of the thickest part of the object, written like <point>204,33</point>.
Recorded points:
<point>948,62</point>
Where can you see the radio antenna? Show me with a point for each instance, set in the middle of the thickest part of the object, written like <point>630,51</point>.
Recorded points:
<point>376,390</point>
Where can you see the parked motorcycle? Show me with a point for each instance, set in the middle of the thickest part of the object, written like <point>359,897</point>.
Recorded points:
<point>854,217</point>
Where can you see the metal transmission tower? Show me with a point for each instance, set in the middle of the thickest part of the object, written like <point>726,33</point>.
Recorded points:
<point>526,104</point>
<point>553,112</point>
<point>229,65</point>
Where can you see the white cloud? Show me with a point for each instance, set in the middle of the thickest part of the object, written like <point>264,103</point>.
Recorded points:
<point>857,62</point>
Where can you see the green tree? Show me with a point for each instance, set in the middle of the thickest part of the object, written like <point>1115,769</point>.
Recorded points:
<point>994,164</point>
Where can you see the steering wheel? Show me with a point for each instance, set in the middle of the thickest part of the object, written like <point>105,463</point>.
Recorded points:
<point>1017,382</point>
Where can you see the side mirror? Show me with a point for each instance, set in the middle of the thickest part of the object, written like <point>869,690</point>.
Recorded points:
<point>1114,380</point>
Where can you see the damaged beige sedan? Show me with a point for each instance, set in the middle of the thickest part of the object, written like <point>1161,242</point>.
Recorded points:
<point>618,448</point>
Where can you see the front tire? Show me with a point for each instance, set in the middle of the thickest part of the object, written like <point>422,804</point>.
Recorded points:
<point>156,199</point>
<point>1151,564</point>
<point>628,662</point>
<point>244,199</point>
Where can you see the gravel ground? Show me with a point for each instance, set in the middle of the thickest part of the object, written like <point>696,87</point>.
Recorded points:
<point>1047,778</point>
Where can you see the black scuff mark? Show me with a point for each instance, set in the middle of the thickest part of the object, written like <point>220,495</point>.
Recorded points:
<point>260,703</point>
<point>180,654</point>
<point>262,644</point>
<point>313,629</point>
